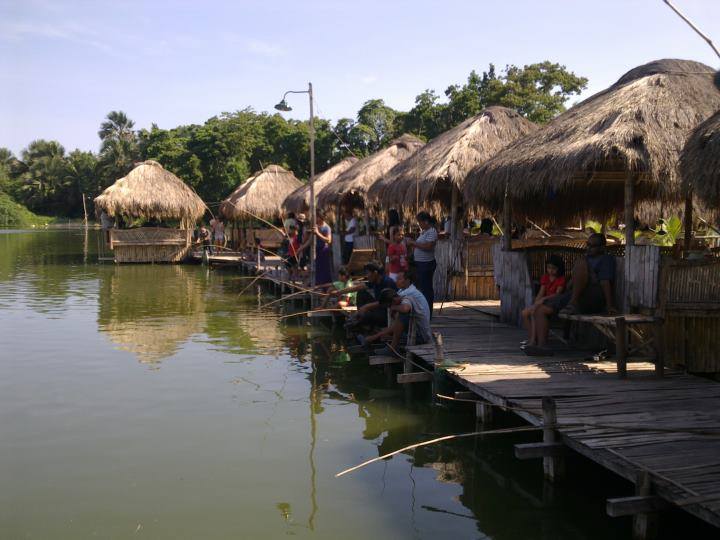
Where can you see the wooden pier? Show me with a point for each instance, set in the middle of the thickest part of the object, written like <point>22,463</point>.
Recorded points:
<point>662,434</point>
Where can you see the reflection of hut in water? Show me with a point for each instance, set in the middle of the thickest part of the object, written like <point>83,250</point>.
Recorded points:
<point>152,193</point>
<point>150,311</point>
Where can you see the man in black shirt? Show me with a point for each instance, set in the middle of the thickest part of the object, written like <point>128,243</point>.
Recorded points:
<point>370,312</point>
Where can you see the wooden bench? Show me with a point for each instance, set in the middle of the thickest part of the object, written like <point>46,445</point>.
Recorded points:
<point>618,328</point>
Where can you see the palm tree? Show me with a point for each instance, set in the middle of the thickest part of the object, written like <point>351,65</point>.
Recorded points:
<point>117,126</point>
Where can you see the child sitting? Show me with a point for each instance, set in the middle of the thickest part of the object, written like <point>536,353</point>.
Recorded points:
<point>396,253</point>
<point>552,283</point>
<point>344,282</point>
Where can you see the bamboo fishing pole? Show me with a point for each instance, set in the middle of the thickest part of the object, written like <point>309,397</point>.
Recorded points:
<point>260,276</point>
<point>434,441</point>
<point>311,311</point>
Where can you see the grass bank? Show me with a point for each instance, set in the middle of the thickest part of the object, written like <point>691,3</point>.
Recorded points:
<point>13,214</point>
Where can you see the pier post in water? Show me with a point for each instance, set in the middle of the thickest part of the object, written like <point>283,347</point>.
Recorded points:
<point>553,466</point>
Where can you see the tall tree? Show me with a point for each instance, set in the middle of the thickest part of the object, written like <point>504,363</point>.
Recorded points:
<point>119,149</point>
<point>117,126</point>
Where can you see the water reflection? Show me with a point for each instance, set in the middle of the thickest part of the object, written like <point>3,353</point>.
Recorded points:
<point>151,310</point>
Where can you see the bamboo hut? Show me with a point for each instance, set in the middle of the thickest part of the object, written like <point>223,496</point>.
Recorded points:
<point>350,188</point>
<point>260,196</point>
<point>700,162</point>
<point>434,176</point>
<point>622,143</point>
<point>442,165</point>
<point>616,152</point>
<point>151,192</point>
<point>299,200</point>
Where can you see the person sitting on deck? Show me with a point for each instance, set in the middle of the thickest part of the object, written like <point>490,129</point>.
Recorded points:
<point>369,312</point>
<point>397,260</point>
<point>590,291</point>
<point>552,283</point>
<point>344,282</point>
<point>407,304</point>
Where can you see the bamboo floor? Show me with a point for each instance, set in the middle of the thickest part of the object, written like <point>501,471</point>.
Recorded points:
<point>613,419</point>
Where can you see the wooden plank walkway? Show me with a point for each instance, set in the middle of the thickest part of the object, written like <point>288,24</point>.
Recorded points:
<point>610,417</point>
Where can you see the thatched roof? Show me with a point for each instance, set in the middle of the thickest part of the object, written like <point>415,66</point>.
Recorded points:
<point>299,200</point>
<point>352,185</point>
<point>152,192</point>
<point>261,195</point>
<point>446,160</point>
<point>576,164</point>
<point>700,162</point>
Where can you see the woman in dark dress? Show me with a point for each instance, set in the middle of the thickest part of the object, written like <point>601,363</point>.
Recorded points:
<point>323,256</point>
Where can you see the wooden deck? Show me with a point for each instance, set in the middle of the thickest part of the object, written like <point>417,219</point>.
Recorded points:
<point>607,419</point>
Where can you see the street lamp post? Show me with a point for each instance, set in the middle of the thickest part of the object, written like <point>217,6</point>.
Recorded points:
<point>283,106</point>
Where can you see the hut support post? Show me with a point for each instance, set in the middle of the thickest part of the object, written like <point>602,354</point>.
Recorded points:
<point>688,221</point>
<point>630,210</point>
<point>507,224</point>
<point>367,218</point>
<point>313,223</point>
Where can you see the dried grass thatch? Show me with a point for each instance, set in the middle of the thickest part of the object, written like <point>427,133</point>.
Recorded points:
<point>299,200</point>
<point>430,173</point>
<point>150,191</point>
<point>351,186</point>
<point>576,164</point>
<point>260,195</point>
<point>700,162</point>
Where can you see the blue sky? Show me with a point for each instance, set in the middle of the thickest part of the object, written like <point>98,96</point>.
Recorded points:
<point>65,64</point>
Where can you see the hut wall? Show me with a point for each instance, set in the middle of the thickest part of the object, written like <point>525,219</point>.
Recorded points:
<point>514,284</point>
<point>475,280</point>
<point>690,302</point>
<point>150,245</point>
<point>641,278</point>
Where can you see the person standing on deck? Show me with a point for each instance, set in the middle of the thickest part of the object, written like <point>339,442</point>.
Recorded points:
<point>424,255</point>
<point>322,234</point>
<point>349,235</point>
<point>218,231</point>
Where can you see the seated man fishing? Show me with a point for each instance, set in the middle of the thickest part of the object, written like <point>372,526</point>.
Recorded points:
<point>590,291</point>
<point>369,312</point>
<point>406,305</point>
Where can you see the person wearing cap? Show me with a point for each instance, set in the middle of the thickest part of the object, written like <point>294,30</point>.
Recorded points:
<point>407,305</point>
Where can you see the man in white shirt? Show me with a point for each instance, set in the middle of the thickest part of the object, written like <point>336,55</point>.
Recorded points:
<point>349,235</point>
<point>408,305</point>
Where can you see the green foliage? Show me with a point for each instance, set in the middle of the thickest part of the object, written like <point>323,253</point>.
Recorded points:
<point>667,232</point>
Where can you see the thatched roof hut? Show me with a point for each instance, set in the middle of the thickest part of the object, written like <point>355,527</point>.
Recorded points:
<point>700,162</point>
<point>444,162</point>
<point>260,195</point>
<point>351,186</point>
<point>578,163</point>
<point>299,200</point>
<point>150,191</point>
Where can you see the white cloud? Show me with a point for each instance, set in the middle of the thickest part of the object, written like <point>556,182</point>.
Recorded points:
<point>368,79</point>
<point>263,48</point>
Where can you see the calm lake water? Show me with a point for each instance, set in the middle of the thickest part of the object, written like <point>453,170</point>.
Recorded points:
<point>155,402</point>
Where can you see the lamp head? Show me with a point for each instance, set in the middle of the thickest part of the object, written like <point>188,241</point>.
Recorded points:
<point>283,106</point>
